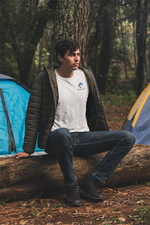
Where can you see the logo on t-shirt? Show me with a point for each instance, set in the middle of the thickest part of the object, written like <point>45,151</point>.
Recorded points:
<point>81,86</point>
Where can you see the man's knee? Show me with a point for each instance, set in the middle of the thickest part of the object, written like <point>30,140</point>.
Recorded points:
<point>129,137</point>
<point>63,135</point>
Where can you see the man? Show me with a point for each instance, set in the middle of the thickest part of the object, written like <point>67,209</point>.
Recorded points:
<point>65,108</point>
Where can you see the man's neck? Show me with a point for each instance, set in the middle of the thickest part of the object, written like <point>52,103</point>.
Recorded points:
<point>65,72</point>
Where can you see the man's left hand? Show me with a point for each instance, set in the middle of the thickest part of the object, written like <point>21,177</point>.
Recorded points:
<point>21,155</point>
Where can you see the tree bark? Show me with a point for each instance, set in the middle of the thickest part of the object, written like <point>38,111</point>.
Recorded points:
<point>149,59</point>
<point>40,53</point>
<point>105,55</point>
<point>124,48</point>
<point>134,42</point>
<point>141,33</point>
<point>72,20</point>
<point>41,175</point>
<point>148,44</point>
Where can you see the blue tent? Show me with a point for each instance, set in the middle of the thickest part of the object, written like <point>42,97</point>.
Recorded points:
<point>138,120</point>
<point>14,98</point>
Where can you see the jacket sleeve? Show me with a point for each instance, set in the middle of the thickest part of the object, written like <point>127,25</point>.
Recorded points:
<point>33,116</point>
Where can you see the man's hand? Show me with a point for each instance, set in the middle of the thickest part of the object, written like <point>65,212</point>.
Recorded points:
<point>21,155</point>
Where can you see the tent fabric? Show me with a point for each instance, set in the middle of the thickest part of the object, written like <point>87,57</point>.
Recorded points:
<point>138,120</point>
<point>2,76</point>
<point>14,98</point>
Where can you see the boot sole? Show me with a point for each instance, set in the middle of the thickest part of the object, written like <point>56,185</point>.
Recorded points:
<point>74,204</point>
<point>87,195</point>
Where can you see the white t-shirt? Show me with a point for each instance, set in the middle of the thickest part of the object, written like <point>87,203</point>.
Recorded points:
<point>72,99</point>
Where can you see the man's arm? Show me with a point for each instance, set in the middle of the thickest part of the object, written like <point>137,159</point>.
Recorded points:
<point>32,121</point>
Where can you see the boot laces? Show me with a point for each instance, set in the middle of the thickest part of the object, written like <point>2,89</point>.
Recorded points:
<point>74,190</point>
<point>92,184</point>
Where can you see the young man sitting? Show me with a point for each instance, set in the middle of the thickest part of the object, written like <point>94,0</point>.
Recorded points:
<point>66,110</point>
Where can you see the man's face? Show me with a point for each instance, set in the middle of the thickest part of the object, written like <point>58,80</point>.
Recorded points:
<point>71,59</point>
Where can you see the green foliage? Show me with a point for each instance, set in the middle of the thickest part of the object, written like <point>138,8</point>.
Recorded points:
<point>2,201</point>
<point>120,87</point>
<point>57,205</point>
<point>142,215</point>
<point>119,93</point>
<point>25,24</point>
<point>119,100</point>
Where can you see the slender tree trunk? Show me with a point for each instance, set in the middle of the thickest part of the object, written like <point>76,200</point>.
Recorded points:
<point>105,55</point>
<point>141,32</point>
<point>146,67</point>
<point>148,44</point>
<point>124,48</point>
<point>149,60</point>
<point>95,40</point>
<point>72,20</point>
<point>40,52</point>
<point>134,43</point>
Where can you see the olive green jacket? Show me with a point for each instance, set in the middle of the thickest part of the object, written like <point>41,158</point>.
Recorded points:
<point>42,106</point>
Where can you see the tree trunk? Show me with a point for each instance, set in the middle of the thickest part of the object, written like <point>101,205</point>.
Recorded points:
<point>25,60</point>
<point>141,32</point>
<point>72,20</point>
<point>149,59</point>
<point>146,67</point>
<point>148,45</point>
<point>40,53</point>
<point>41,175</point>
<point>134,42</point>
<point>105,55</point>
<point>124,48</point>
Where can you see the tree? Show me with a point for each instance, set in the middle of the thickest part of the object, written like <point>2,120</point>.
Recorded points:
<point>105,55</point>
<point>124,48</point>
<point>25,22</point>
<point>72,20</point>
<point>141,33</point>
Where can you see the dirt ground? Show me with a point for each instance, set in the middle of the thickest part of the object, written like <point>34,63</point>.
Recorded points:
<point>123,205</point>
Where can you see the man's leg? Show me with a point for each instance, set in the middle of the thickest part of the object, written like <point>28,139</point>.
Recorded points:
<point>118,143</point>
<point>60,145</point>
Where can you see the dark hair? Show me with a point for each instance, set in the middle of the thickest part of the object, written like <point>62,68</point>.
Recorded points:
<point>63,45</point>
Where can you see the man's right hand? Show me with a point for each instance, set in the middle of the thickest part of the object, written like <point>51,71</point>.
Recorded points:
<point>21,155</point>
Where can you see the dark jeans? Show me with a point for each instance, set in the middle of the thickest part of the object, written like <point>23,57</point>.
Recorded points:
<point>64,144</point>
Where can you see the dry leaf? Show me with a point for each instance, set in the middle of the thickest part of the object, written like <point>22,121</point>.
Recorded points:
<point>121,219</point>
<point>23,222</point>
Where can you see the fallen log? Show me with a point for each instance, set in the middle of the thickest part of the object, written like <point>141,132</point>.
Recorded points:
<point>41,175</point>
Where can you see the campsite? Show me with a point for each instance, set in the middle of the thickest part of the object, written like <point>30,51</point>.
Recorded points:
<point>25,200</point>
<point>122,205</point>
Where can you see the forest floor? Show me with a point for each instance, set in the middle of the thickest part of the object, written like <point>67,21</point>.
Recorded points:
<point>122,205</point>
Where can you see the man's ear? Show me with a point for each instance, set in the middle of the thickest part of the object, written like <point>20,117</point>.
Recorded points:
<point>60,58</point>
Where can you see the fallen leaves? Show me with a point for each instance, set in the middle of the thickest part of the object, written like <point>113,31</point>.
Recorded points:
<point>121,219</point>
<point>23,222</point>
<point>119,203</point>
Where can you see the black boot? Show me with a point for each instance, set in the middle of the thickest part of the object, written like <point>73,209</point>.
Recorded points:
<point>73,195</point>
<point>88,188</point>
